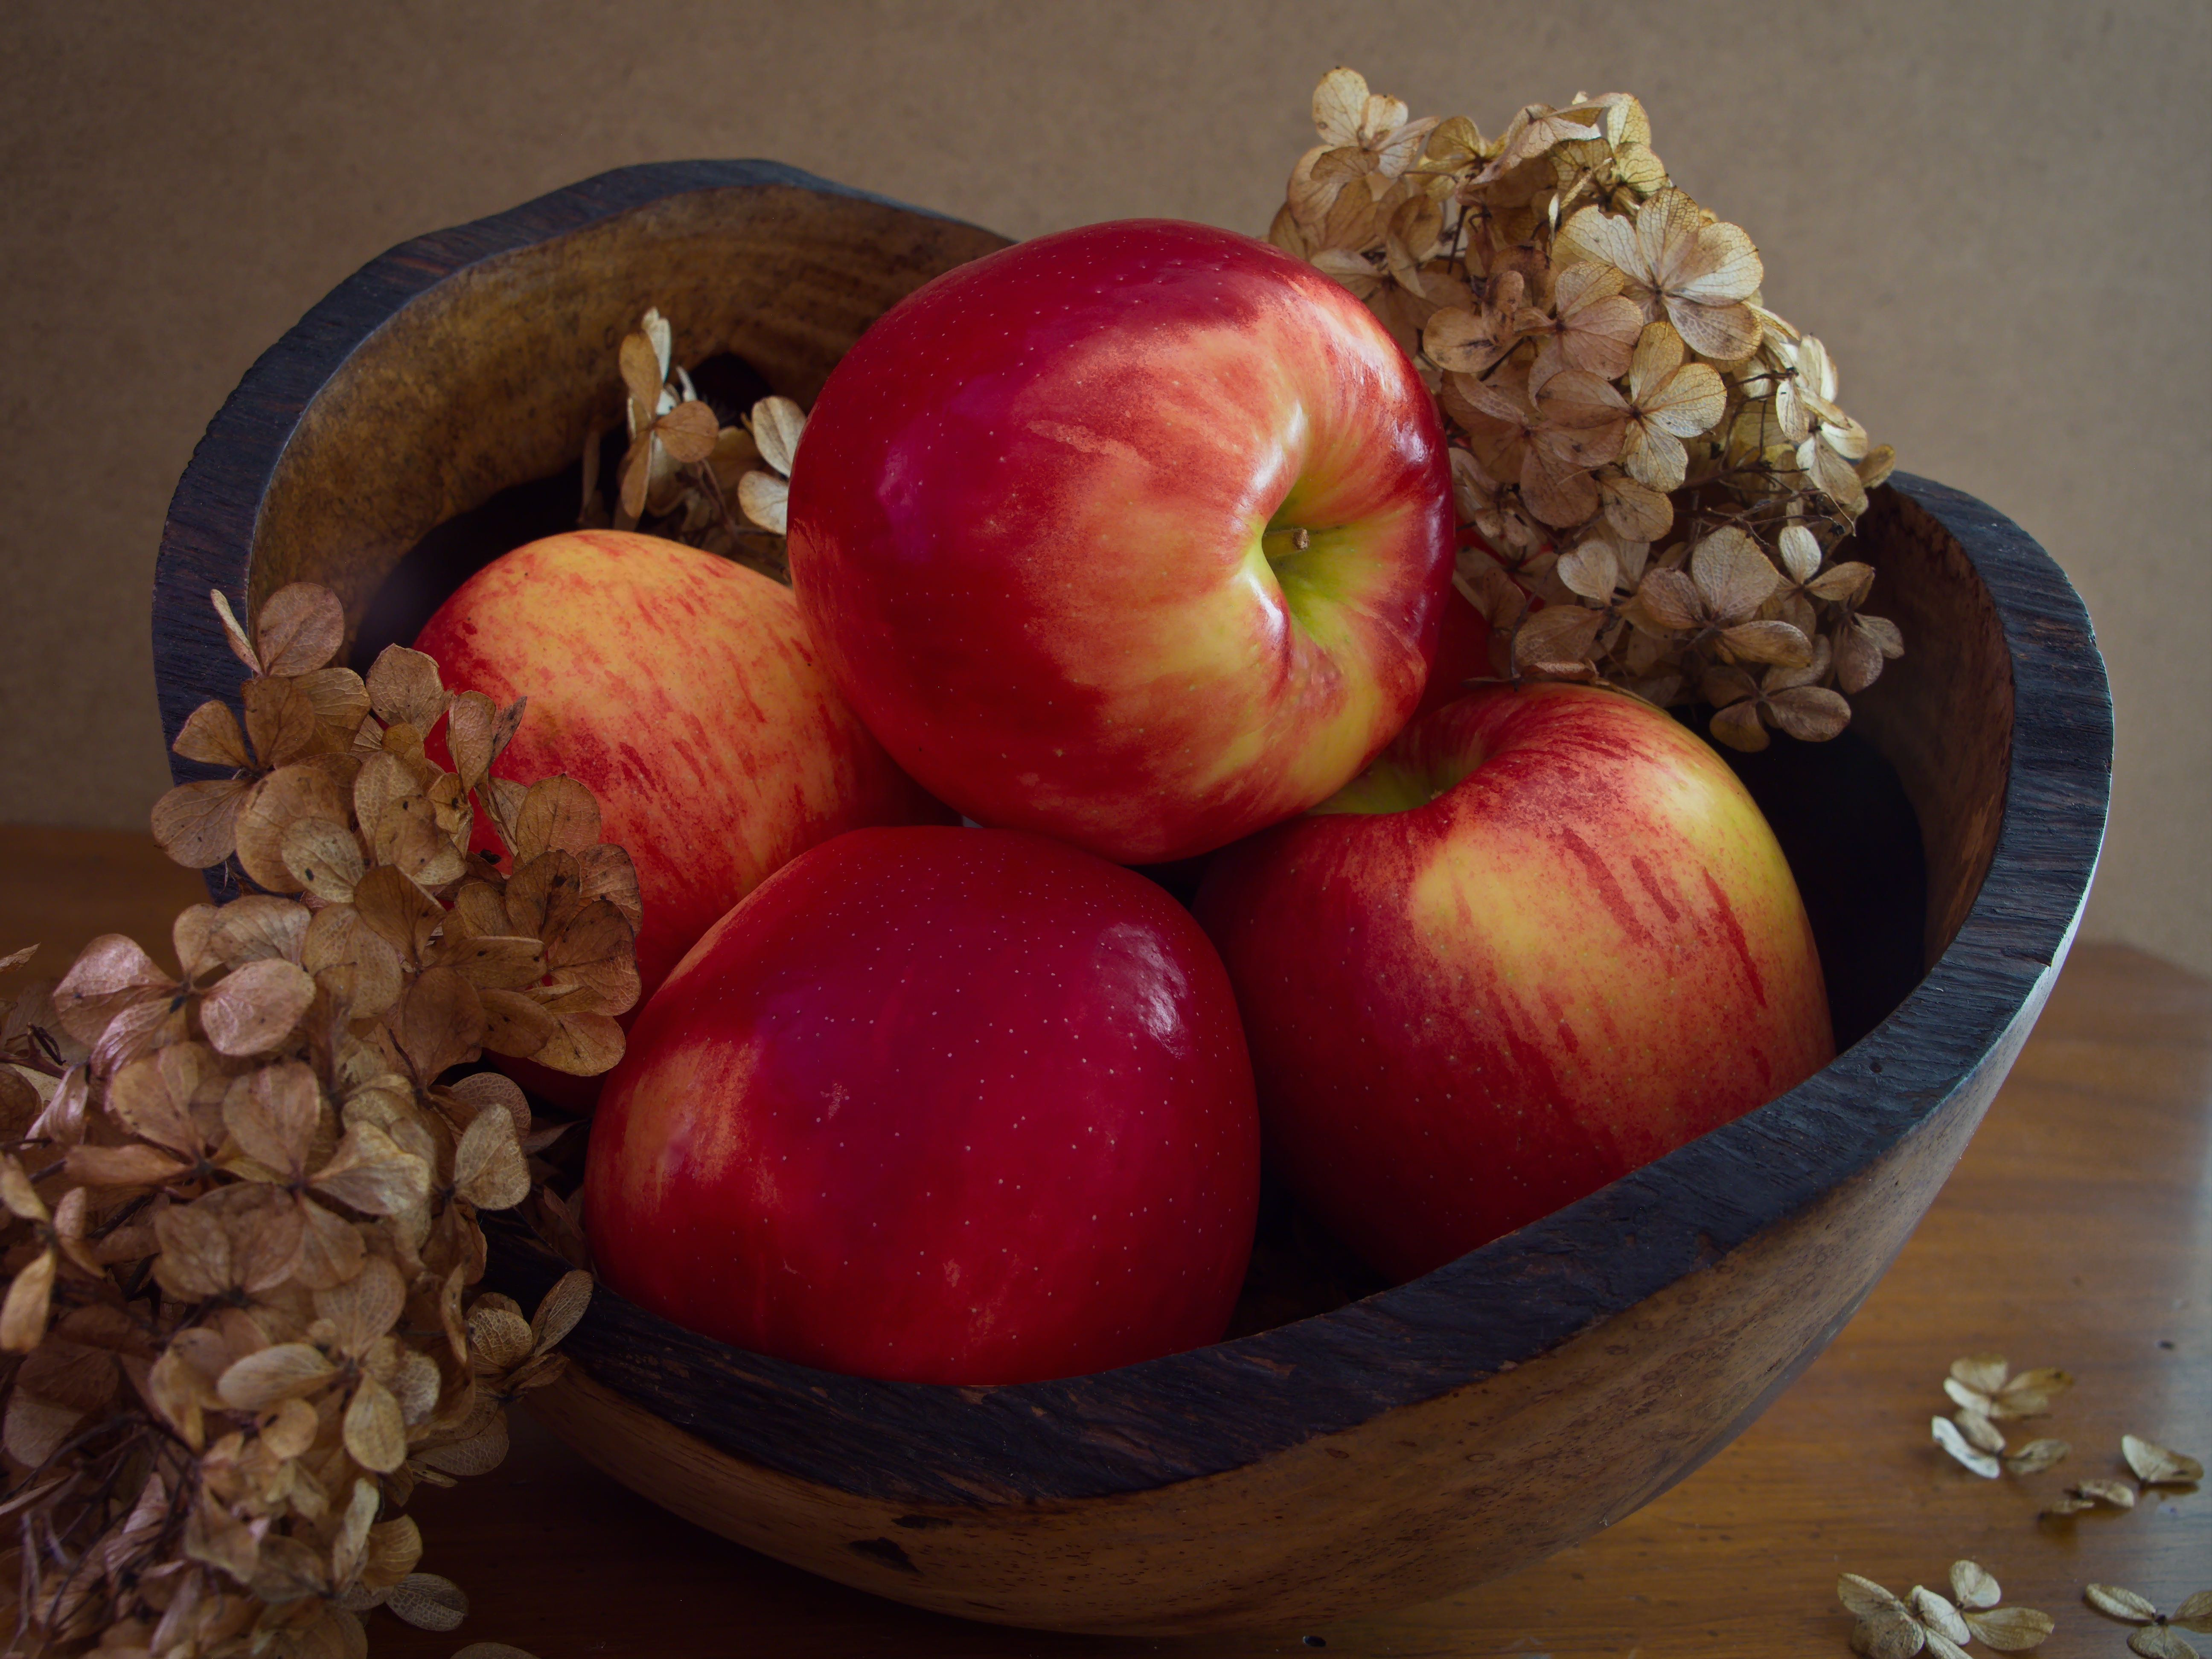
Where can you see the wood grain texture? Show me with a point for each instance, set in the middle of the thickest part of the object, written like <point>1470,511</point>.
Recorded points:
<point>1383,1451</point>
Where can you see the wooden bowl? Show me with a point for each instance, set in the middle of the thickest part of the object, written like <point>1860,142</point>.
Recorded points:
<point>1403,1445</point>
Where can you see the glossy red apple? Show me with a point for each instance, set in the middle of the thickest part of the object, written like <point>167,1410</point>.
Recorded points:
<point>683,689</point>
<point>945,1105</point>
<point>1135,534</point>
<point>1545,937</point>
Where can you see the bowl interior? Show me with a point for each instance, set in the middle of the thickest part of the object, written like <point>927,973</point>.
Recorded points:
<point>431,413</point>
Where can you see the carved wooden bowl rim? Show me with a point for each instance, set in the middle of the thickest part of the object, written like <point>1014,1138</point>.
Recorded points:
<point>1191,1414</point>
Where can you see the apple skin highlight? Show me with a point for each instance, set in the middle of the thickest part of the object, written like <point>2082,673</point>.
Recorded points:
<point>937,1105</point>
<point>1136,535</point>
<point>1547,937</point>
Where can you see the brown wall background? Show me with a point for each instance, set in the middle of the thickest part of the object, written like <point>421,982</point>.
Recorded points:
<point>1997,216</point>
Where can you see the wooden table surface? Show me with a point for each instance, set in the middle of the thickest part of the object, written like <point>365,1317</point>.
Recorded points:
<point>2077,1232</point>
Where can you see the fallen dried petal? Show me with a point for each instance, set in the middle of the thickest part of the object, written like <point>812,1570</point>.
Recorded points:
<point>2157,1466</point>
<point>1938,1614</point>
<point>2010,1630</point>
<point>2159,1642</point>
<point>1980,1433</point>
<point>2115,1602</point>
<point>2037,1455</point>
<point>1948,1437</point>
<point>1973,1587</point>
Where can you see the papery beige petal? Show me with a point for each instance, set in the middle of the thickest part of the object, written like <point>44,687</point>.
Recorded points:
<point>273,1112</point>
<point>2011,1630</point>
<point>491,1091</point>
<point>777,425</point>
<point>514,1024</point>
<point>1688,402</point>
<point>281,721</point>
<point>582,1045</point>
<point>375,1433</point>
<point>1979,1430</point>
<point>688,432</point>
<point>2159,1642</point>
<point>1948,1437</point>
<point>1339,102</point>
<point>2116,1602</point>
<point>1973,1587</point>
<point>251,1009</point>
<point>489,1169</point>
<point>1938,1614</point>
<point>1727,334</point>
<point>122,1166</point>
<point>479,1454</point>
<point>429,1603</point>
<point>559,813</point>
<point>286,1371</point>
<point>1654,458</point>
<point>764,499</point>
<point>23,1315</point>
<point>211,733</point>
<point>438,1022</point>
<point>371,1172</point>
<point>1739,727</point>
<point>398,911</point>
<point>298,628</point>
<point>1591,570</point>
<point>2158,1466</point>
<point>498,961</point>
<point>352,960</point>
<point>290,793</point>
<point>1733,573</point>
<point>195,1261</point>
<point>234,631</point>
<point>403,685</point>
<point>1767,642</point>
<point>109,975</point>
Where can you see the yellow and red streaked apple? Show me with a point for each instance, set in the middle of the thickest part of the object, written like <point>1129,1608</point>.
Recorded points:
<point>1545,939</point>
<point>1136,535</point>
<point>947,1105</point>
<point>684,692</point>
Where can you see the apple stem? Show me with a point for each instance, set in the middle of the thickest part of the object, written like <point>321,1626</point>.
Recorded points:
<point>1298,536</point>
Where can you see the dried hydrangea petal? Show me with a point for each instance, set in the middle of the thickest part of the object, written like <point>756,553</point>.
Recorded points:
<point>2156,1466</point>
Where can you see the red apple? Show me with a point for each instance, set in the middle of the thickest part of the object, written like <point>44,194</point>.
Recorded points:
<point>1135,534</point>
<point>945,1105</point>
<point>683,690</point>
<point>1545,939</point>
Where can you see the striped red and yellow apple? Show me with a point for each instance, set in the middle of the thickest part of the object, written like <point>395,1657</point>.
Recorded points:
<point>684,690</point>
<point>949,1105</point>
<point>1545,937</point>
<point>1137,535</point>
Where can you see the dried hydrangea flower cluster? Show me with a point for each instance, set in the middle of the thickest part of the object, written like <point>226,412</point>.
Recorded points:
<point>1652,472</point>
<point>2153,1637</point>
<point>241,1205</point>
<point>682,468</point>
<point>1987,1394</point>
<point>1922,1621</point>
